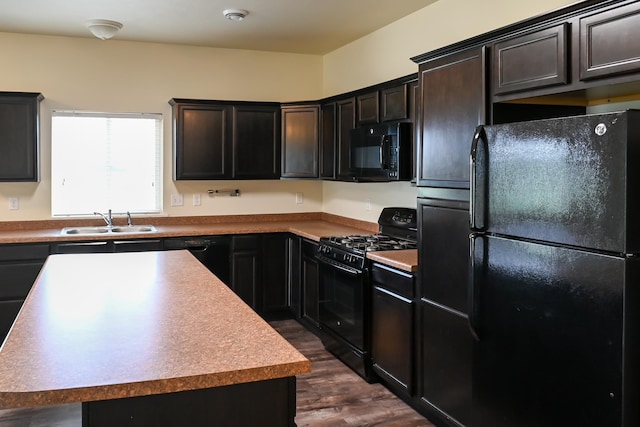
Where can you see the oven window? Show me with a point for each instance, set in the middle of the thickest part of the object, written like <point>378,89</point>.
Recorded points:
<point>341,304</point>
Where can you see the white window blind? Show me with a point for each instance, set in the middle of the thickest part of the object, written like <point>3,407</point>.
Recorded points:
<point>102,161</point>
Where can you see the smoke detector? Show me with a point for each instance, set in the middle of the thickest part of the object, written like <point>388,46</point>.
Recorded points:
<point>235,14</point>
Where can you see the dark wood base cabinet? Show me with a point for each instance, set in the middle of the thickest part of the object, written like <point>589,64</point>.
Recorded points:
<point>310,275</point>
<point>269,403</point>
<point>19,267</point>
<point>392,330</point>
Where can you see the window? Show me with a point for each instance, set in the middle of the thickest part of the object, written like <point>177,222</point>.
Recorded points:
<point>102,161</point>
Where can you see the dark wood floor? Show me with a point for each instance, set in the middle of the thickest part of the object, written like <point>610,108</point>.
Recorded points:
<point>330,396</point>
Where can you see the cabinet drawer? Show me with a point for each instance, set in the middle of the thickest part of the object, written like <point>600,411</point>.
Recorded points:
<point>23,252</point>
<point>83,248</point>
<point>393,280</point>
<point>16,279</point>
<point>531,61</point>
<point>609,42</point>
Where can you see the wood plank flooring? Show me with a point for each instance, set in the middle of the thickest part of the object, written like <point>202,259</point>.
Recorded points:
<point>330,396</point>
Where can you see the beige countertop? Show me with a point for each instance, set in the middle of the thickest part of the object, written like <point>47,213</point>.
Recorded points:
<point>106,326</point>
<point>312,226</point>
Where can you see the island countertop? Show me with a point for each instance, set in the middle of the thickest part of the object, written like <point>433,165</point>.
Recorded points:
<point>117,325</point>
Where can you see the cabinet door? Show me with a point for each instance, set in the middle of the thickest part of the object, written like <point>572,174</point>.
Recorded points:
<point>294,275</point>
<point>310,283</point>
<point>17,277</point>
<point>532,61</point>
<point>368,108</point>
<point>453,96</point>
<point>300,130</point>
<point>8,313</point>
<point>443,252</point>
<point>19,268</point>
<point>445,364</point>
<point>394,103</point>
<point>201,141</point>
<point>19,136</point>
<point>245,268</point>
<point>392,327</point>
<point>328,141</point>
<point>256,141</point>
<point>414,117</point>
<point>609,42</point>
<point>446,344</point>
<point>275,284</point>
<point>346,120</point>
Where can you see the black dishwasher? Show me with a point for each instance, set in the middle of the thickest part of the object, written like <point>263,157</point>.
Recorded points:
<point>212,251</point>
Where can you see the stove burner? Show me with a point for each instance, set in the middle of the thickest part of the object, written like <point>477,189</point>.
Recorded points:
<point>371,243</point>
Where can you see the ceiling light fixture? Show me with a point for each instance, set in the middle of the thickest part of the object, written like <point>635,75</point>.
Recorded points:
<point>235,14</point>
<point>103,29</point>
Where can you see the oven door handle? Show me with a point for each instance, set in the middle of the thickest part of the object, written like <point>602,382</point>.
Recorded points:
<point>344,268</point>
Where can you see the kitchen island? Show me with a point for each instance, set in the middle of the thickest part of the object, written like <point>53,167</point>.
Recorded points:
<point>147,338</point>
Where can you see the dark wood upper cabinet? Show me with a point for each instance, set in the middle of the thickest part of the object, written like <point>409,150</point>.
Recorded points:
<point>394,103</point>
<point>531,61</point>
<point>609,42</point>
<point>414,117</point>
<point>368,108</point>
<point>20,136</point>
<point>215,140</point>
<point>345,121</point>
<point>453,103</point>
<point>201,141</point>
<point>300,130</point>
<point>256,141</point>
<point>328,141</point>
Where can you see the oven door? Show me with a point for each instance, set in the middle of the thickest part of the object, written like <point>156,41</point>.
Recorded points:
<point>341,302</point>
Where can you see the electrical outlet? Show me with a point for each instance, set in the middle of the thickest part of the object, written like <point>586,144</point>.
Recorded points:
<point>14,203</point>
<point>196,199</point>
<point>177,200</point>
<point>298,198</point>
<point>367,205</point>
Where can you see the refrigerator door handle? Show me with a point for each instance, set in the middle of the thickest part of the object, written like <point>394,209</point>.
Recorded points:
<point>476,247</point>
<point>477,190</point>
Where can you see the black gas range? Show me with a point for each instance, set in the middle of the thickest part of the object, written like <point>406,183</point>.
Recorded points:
<point>398,230</point>
<point>344,294</point>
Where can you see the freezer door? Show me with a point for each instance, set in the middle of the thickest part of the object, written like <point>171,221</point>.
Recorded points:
<point>549,326</point>
<point>572,181</point>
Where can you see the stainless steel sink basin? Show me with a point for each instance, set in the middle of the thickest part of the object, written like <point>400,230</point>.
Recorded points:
<point>126,229</point>
<point>134,229</point>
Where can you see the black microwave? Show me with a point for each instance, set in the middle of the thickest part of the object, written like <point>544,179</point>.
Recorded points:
<point>380,152</point>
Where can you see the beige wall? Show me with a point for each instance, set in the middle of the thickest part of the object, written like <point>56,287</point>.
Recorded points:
<point>120,76</point>
<point>114,75</point>
<point>384,55</point>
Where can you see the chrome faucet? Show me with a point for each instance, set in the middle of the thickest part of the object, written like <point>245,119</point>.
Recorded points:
<point>107,218</point>
<point>129,222</point>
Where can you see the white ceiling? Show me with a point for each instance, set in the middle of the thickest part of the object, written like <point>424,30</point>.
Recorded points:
<point>299,26</point>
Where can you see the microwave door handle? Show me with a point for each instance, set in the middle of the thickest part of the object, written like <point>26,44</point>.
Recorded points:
<point>384,153</point>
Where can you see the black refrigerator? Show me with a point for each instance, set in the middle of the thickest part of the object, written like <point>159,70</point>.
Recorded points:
<point>554,292</point>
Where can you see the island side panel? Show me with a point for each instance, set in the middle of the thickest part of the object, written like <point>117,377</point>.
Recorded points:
<point>270,403</point>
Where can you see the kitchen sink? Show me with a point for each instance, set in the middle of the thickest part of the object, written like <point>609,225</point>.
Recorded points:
<point>134,229</point>
<point>127,229</point>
